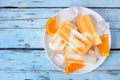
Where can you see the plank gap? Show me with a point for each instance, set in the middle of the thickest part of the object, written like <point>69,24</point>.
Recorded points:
<point>15,7</point>
<point>116,49</point>
<point>55,71</point>
<point>21,48</point>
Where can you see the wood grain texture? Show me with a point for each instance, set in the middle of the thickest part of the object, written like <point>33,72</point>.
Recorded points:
<point>33,65</point>
<point>48,75</point>
<point>59,3</point>
<point>43,13</point>
<point>27,24</point>
<point>39,24</point>
<point>37,60</point>
<point>22,25</point>
<point>21,38</point>
<point>36,18</point>
<point>33,38</point>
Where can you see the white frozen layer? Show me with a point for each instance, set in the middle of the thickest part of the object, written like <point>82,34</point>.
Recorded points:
<point>57,44</point>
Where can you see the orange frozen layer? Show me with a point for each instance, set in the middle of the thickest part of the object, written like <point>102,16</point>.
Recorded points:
<point>90,26</point>
<point>64,31</point>
<point>81,26</point>
<point>73,38</point>
<point>83,29</point>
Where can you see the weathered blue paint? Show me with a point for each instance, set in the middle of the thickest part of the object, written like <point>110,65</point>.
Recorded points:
<point>59,3</point>
<point>24,27</point>
<point>24,24</point>
<point>23,38</point>
<point>48,75</point>
<point>36,60</point>
<point>43,13</point>
<point>34,64</point>
<point>36,18</point>
<point>33,38</point>
<point>39,24</point>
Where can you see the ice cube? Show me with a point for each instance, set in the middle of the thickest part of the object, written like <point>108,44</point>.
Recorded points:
<point>58,59</point>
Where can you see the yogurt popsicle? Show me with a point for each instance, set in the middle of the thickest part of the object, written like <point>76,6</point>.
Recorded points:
<point>87,28</point>
<point>73,38</point>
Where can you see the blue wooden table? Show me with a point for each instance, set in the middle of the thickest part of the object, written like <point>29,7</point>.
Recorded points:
<point>22,25</point>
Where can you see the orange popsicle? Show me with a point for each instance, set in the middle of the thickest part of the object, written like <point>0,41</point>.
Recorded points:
<point>89,24</point>
<point>73,38</point>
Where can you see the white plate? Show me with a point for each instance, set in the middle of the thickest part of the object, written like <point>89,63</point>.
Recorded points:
<point>68,14</point>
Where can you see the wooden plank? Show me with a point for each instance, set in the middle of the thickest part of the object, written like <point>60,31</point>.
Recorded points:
<point>33,38</point>
<point>45,75</point>
<point>21,38</point>
<point>36,18</point>
<point>34,65</point>
<point>59,3</point>
<point>38,24</point>
<point>25,24</point>
<point>38,13</point>
<point>37,60</point>
<point>11,14</point>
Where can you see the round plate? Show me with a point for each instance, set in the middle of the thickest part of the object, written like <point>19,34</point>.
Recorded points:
<point>68,14</point>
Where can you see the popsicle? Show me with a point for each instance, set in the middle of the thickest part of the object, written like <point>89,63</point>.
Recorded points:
<point>87,28</point>
<point>73,38</point>
<point>92,29</point>
<point>83,29</point>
